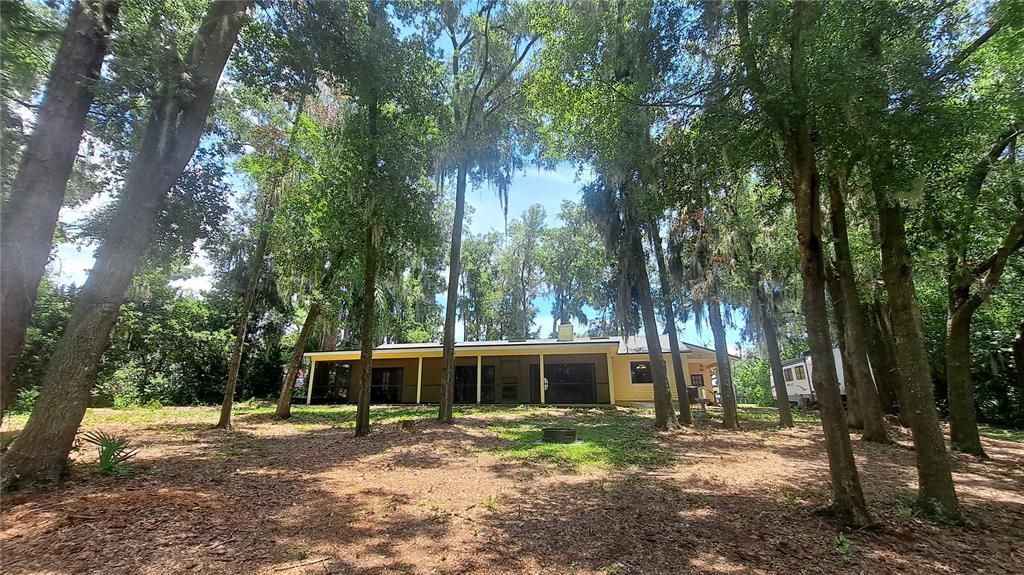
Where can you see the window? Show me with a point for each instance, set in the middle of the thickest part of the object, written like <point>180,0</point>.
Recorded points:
<point>801,373</point>
<point>789,374</point>
<point>641,372</point>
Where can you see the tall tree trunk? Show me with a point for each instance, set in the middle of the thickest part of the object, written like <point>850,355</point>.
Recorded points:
<point>670,327</point>
<point>241,326</point>
<point>883,364</point>
<point>964,301</point>
<point>963,420</point>
<point>368,336</point>
<point>854,415</point>
<point>37,193</point>
<point>854,321</point>
<point>444,409</point>
<point>770,332</point>
<point>284,401</point>
<point>794,129</point>
<point>936,493</point>
<point>1018,366</point>
<point>177,121</point>
<point>730,419</point>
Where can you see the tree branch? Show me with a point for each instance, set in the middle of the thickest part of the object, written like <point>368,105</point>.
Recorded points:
<point>967,52</point>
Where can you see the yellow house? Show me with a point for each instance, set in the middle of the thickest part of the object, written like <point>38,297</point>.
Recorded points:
<point>576,371</point>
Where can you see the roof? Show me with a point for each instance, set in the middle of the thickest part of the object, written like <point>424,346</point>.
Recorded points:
<point>625,346</point>
<point>794,361</point>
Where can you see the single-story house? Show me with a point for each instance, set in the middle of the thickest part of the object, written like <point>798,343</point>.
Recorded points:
<point>576,371</point>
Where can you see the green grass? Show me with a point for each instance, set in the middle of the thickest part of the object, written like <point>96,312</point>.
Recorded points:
<point>606,440</point>
<point>1002,433</point>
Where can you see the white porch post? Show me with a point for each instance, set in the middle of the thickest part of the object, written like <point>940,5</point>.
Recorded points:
<point>479,374</point>
<point>611,379</point>
<point>309,386</point>
<point>419,379</point>
<point>542,378</point>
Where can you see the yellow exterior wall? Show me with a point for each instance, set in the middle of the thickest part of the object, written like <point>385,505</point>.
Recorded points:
<point>625,392</point>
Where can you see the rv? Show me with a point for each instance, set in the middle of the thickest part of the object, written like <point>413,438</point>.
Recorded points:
<point>797,373</point>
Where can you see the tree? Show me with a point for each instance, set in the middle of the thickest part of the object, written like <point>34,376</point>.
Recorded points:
<point>279,157</point>
<point>37,193</point>
<point>793,125</point>
<point>177,121</point>
<point>487,49</point>
<point>598,116</point>
<point>520,273</point>
<point>668,309</point>
<point>573,264</point>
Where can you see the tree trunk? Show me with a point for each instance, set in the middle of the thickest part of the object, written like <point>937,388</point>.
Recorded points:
<point>176,122</point>
<point>771,342</point>
<point>241,326</point>
<point>854,414</point>
<point>670,327</point>
<point>444,409</point>
<point>963,420</point>
<point>368,335</point>
<point>37,193</point>
<point>856,355</point>
<point>883,364</point>
<point>936,493</point>
<point>794,129</point>
<point>284,401</point>
<point>730,419</point>
<point>849,505</point>
<point>1018,366</point>
<point>964,301</point>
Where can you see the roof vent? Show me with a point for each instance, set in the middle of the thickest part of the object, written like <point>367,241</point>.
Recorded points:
<point>565,332</point>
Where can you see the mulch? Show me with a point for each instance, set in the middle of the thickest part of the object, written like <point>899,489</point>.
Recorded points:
<point>281,498</point>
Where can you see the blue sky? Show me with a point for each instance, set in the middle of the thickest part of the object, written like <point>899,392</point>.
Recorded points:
<point>530,186</point>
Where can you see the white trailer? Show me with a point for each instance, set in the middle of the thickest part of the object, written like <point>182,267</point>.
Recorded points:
<point>797,373</point>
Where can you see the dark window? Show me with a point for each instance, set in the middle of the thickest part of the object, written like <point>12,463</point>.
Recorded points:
<point>567,382</point>
<point>697,380</point>
<point>800,372</point>
<point>386,385</point>
<point>788,374</point>
<point>641,372</point>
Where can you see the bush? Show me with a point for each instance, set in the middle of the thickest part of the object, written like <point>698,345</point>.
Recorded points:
<point>114,452</point>
<point>751,378</point>
<point>26,400</point>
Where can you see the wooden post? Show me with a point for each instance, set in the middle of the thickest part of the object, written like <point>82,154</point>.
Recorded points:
<point>542,379</point>
<point>688,382</point>
<point>611,379</point>
<point>479,374</point>
<point>419,379</point>
<point>309,386</point>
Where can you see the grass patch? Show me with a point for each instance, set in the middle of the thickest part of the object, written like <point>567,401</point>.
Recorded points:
<point>606,440</point>
<point>1002,433</point>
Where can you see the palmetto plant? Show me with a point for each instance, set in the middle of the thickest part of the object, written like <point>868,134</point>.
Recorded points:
<point>114,452</point>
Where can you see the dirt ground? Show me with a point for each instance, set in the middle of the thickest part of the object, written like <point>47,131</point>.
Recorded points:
<point>308,498</point>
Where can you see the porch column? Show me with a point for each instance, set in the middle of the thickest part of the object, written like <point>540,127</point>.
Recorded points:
<point>611,379</point>
<point>479,373</point>
<point>542,378</point>
<point>419,379</point>
<point>686,382</point>
<point>309,386</point>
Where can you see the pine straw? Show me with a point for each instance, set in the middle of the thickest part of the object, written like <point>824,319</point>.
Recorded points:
<point>307,498</point>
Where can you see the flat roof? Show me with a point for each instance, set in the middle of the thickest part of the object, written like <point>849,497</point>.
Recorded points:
<point>624,346</point>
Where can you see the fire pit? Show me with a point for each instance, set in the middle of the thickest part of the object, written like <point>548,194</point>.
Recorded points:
<point>558,435</point>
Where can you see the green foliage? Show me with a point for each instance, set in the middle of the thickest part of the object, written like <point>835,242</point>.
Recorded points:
<point>843,545</point>
<point>114,452</point>
<point>26,400</point>
<point>751,378</point>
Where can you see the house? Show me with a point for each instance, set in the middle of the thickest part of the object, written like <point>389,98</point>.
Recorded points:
<point>797,373</point>
<point>576,371</point>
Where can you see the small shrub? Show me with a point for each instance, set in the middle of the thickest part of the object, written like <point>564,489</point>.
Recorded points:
<point>153,404</point>
<point>843,545</point>
<point>114,452</point>
<point>27,397</point>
